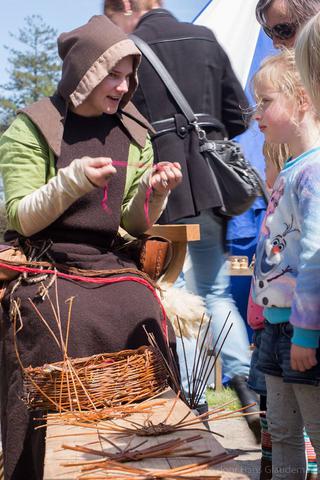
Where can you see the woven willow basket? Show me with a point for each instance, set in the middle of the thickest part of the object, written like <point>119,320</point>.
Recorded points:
<point>104,380</point>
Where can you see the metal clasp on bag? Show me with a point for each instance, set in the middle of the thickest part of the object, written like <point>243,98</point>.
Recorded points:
<point>204,142</point>
<point>200,132</point>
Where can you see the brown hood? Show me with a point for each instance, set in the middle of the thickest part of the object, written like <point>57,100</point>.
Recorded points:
<point>89,53</point>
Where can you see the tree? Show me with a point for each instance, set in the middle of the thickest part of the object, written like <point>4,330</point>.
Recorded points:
<point>34,71</point>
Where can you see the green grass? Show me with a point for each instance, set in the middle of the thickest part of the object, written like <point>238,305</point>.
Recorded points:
<point>215,399</point>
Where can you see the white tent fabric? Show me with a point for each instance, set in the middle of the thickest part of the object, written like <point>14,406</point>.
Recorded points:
<point>236,28</point>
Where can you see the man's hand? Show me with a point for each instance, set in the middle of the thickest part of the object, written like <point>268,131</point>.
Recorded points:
<point>302,358</point>
<point>98,170</point>
<point>165,176</point>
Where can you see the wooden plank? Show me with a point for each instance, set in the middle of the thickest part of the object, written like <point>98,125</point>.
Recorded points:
<point>177,233</point>
<point>58,434</point>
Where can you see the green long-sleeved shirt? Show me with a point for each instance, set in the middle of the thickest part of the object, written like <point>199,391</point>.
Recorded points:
<point>27,163</point>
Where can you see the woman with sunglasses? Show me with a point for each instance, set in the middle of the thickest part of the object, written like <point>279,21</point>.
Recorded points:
<point>282,19</point>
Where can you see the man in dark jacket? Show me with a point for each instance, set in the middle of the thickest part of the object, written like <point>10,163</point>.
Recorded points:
<point>202,70</point>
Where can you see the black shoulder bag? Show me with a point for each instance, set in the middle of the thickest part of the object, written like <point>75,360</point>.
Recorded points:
<point>237,182</point>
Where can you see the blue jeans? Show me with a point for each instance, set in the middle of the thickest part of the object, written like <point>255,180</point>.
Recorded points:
<point>256,380</point>
<point>205,274</point>
<point>274,356</point>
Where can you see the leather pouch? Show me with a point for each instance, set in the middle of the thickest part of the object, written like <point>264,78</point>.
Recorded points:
<point>152,254</point>
<point>155,256</point>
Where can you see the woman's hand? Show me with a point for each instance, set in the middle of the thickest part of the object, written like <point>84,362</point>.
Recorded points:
<point>303,358</point>
<point>98,170</point>
<point>165,176</point>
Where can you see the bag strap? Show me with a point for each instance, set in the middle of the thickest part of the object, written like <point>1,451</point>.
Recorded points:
<point>165,77</point>
<point>171,84</point>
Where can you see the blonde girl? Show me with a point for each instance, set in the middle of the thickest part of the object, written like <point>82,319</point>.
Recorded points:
<point>286,279</point>
<point>275,157</point>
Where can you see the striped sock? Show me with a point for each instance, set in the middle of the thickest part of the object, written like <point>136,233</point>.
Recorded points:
<point>311,459</point>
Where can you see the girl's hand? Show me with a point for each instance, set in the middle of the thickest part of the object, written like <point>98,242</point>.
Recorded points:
<point>165,176</point>
<point>98,170</point>
<point>302,358</point>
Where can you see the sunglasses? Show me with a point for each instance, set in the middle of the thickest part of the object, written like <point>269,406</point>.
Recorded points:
<point>282,31</point>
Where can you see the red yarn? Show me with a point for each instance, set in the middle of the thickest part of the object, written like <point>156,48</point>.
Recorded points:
<point>97,280</point>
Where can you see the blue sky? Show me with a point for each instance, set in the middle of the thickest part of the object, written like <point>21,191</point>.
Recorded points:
<point>64,15</point>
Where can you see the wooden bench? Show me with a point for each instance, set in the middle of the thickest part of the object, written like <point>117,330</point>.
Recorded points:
<point>59,433</point>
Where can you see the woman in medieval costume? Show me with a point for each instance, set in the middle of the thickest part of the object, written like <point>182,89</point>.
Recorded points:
<point>75,167</point>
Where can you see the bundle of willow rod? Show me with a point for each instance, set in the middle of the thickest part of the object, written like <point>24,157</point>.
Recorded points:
<point>173,448</point>
<point>106,413</point>
<point>150,429</point>
<point>98,381</point>
<point>117,471</point>
<point>207,351</point>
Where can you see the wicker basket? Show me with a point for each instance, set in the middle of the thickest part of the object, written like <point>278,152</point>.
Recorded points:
<point>94,382</point>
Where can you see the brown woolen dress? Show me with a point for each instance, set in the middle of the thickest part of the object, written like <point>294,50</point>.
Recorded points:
<point>105,318</point>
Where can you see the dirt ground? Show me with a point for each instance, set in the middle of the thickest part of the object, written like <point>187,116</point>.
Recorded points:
<point>238,439</point>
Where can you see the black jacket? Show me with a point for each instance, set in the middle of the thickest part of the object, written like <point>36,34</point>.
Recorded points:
<point>203,72</point>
